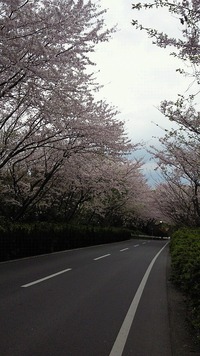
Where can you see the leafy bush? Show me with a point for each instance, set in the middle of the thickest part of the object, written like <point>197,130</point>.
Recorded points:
<point>22,240</point>
<point>185,254</point>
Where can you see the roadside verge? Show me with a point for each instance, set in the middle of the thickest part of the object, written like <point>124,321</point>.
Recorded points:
<point>182,340</point>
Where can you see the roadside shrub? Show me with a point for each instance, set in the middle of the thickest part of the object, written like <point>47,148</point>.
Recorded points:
<point>22,240</point>
<point>185,254</point>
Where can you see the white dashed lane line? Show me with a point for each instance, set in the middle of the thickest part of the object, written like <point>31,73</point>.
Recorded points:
<point>45,278</point>
<point>69,269</point>
<point>98,258</point>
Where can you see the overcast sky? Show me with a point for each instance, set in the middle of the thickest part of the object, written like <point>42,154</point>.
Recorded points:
<point>136,74</point>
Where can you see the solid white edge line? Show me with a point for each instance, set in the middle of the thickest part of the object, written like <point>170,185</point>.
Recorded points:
<point>98,258</point>
<point>122,336</point>
<point>45,278</point>
<point>124,249</point>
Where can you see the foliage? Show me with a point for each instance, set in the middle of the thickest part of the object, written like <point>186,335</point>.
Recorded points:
<point>187,13</point>
<point>175,200</point>
<point>62,152</point>
<point>178,197</point>
<point>89,189</point>
<point>177,155</point>
<point>22,240</point>
<point>185,254</point>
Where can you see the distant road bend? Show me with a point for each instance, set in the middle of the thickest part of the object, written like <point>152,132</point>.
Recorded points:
<point>107,300</point>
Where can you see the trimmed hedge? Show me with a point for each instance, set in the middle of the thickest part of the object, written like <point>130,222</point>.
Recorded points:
<point>185,254</point>
<point>23,240</point>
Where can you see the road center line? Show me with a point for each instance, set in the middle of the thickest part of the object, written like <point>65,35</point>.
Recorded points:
<point>136,245</point>
<point>122,336</point>
<point>45,278</point>
<point>98,258</point>
<point>124,249</point>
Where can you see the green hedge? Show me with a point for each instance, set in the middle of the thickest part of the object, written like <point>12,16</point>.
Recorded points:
<point>185,254</point>
<point>22,240</point>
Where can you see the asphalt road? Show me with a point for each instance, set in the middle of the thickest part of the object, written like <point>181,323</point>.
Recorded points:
<point>107,300</point>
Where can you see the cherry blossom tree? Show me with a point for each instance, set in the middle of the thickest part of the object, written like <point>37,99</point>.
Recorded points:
<point>174,199</point>
<point>178,160</point>
<point>48,112</point>
<point>178,157</point>
<point>31,176</point>
<point>87,188</point>
<point>119,194</point>
<point>62,153</point>
<point>187,45</point>
<point>44,54</point>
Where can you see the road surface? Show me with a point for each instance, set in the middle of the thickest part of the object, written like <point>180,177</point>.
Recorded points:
<point>107,300</point>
